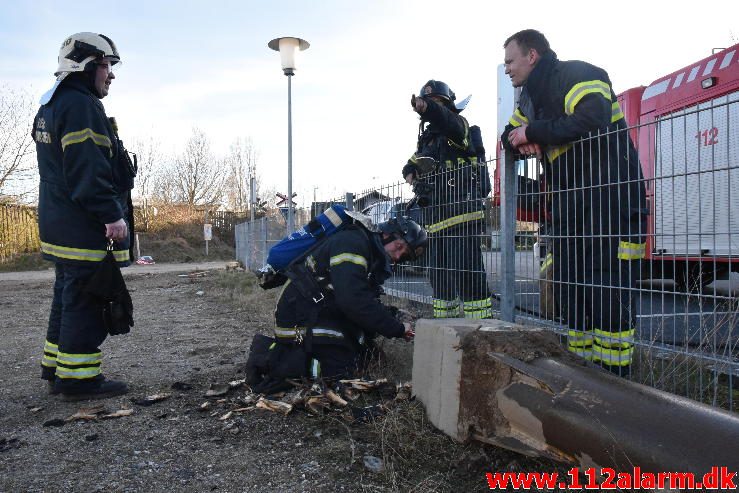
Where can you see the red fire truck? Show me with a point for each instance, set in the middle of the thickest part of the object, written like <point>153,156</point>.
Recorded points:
<point>685,126</point>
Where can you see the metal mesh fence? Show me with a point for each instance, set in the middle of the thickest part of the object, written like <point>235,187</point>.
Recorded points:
<point>254,239</point>
<point>586,277</point>
<point>629,253</point>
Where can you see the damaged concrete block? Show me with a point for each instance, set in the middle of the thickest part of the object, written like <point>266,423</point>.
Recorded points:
<point>437,365</point>
<point>517,387</point>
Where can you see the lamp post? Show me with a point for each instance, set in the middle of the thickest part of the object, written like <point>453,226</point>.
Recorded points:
<point>288,47</point>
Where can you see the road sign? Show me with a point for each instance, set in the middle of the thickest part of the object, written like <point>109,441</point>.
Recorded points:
<point>284,199</point>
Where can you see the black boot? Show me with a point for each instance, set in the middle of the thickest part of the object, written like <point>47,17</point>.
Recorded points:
<point>49,374</point>
<point>622,371</point>
<point>89,388</point>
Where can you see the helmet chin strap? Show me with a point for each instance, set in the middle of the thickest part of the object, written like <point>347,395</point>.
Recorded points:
<point>91,83</point>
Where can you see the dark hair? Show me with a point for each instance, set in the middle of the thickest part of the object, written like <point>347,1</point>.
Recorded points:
<point>530,39</point>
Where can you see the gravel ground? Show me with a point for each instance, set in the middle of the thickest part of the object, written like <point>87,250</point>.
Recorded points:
<point>191,333</point>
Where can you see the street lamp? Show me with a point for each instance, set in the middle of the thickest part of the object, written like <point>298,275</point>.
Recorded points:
<point>288,47</point>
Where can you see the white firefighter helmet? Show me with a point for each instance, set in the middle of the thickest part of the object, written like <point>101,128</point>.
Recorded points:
<point>76,54</point>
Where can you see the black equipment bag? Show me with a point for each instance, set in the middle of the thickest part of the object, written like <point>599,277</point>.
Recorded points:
<point>107,285</point>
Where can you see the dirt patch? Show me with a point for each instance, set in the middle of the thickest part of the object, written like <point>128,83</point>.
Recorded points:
<point>191,333</point>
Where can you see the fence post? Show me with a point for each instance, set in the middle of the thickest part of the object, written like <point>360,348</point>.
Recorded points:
<point>507,238</point>
<point>263,224</point>
<point>349,201</point>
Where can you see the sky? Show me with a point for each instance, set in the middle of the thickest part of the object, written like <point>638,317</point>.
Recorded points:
<point>190,64</point>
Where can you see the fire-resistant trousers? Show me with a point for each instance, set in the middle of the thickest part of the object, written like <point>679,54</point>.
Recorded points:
<point>457,272</point>
<point>76,327</point>
<point>596,291</point>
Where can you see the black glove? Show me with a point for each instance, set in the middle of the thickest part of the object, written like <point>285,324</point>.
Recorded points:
<point>118,315</point>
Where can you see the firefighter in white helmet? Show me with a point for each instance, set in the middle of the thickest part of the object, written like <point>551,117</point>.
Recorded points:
<point>84,206</point>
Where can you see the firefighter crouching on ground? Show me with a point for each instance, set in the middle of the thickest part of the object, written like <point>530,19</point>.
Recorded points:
<point>84,201</point>
<point>598,208</point>
<point>329,309</point>
<point>450,183</point>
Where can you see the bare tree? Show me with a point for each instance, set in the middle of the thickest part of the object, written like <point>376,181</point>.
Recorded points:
<point>196,176</point>
<point>163,187</point>
<point>16,145</point>
<point>150,160</point>
<point>242,165</point>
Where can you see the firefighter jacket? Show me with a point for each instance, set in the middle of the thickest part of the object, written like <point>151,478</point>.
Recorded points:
<point>349,268</point>
<point>85,180</point>
<point>592,168</point>
<point>454,183</point>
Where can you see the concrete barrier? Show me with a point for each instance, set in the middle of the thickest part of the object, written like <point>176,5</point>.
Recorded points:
<point>518,388</point>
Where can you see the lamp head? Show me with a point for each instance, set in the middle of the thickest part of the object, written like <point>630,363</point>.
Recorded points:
<point>288,47</point>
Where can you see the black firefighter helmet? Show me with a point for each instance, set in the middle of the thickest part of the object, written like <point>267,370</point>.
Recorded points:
<point>408,230</point>
<point>439,89</point>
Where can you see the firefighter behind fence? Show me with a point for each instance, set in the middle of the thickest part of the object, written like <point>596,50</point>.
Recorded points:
<point>84,201</point>
<point>450,181</point>
<point>569,116</point>
<point>329,310</point>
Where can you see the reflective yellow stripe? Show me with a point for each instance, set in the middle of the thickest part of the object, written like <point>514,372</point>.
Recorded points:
<point>631,251</point>
<point>616,113</point>
<point>584,353</point>
<point>348,257</point>
<point>613,357</point>
<point>81,253</point>
<point>548,261</point>
<point>445,308</point>
<point>624,339</point>
<point>477,304</point>
<point>79,359</point>
<point>445,304</point>
<point>477,314</point>
<point>465,138</point>
<point>289,333</point>
<point>453,221</point>
<point>578,338</point>
<point>82,135</point>
<point>582,89</point>
<point>77,373</point>
<point>518,119</point>
<point>555,152</point>
<point>317,331</point>
<point>48,361</point>
<point>51,348</point>
<point>51,351</point>
<point>282,291</point>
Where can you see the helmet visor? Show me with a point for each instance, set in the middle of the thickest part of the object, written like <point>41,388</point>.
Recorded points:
<point>111,64</point>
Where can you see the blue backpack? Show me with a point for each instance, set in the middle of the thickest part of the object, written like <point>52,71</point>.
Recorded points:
<point>297,245</point>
